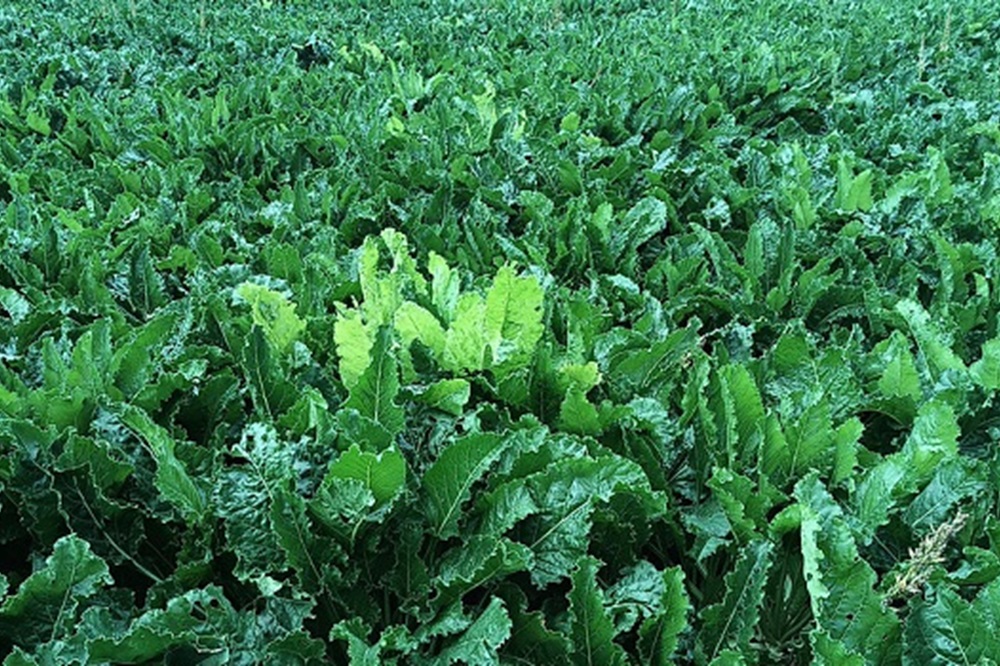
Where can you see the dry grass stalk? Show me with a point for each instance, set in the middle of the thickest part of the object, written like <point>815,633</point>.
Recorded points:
<point>925,557</point>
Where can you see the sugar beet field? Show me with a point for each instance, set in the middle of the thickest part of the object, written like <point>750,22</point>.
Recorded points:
<point>443,332</point>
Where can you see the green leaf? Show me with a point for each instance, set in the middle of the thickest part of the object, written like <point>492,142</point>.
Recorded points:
<point>847,609</point>
<point>531,640</point>
<point>271,632</point>
<point>730,623</point>
<point>845,445</point>
<point>272,393</point>
<point>566,494</point>
<point>481,641</point>
<point>828,652</point>
<point>747,404</point>
<point>644,220</point>
<point>659,633</point>
<point>933,343</point>
<point>853,192</point>
<point>899,378</point>
<point>949,631</point>
<point>932,442</point>
<point>359,652</point>
<point>577,414</point>
<point>172,478</point>
<point>272,312</point>
<point>744,504</point>
<point>46,604</point>
<point>146,290</point>
<point>647,369</point>
<point>38,122</point>
<point>729,658</point>
<point>954,480</point>
<point>591,627</point>
<point>263,515</point>
<point>375,392</point>
<point>448,482</point>
<point>479,560</point>
<point>384,474</point>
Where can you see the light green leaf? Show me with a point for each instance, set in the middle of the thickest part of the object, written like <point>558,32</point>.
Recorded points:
<point>466,340</point>
<point>402,263</point>
<point>986,371</point>
<point>513,317</point>
<point>444,286</point>
<point>384,473</point>
<point>354,345</point>
<point>415,323</point>
<point>374,394</point>
<point>272,312</point>
<point>381,292</point>
<point>448,395</point>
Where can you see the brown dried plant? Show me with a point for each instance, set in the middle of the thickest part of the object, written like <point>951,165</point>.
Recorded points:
<point>925,557</point>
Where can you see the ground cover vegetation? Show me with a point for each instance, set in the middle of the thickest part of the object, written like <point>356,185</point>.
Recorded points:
<point>503,332</point>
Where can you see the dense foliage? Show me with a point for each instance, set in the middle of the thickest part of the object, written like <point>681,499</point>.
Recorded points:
<point>444,332</point>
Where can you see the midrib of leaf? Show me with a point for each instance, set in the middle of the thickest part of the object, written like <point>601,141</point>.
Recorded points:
<point>378,388</point>
<point>958,643</point>
<point>473,474</point>
<point>657,637</point>
<point>586,634</point>
<point>114,544</point>
<point>930,510</point>
<point>732,615</point>
<point>62,605</point>
<point>652,369</point>
<point>260,383</point>
<point>559,524</point>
